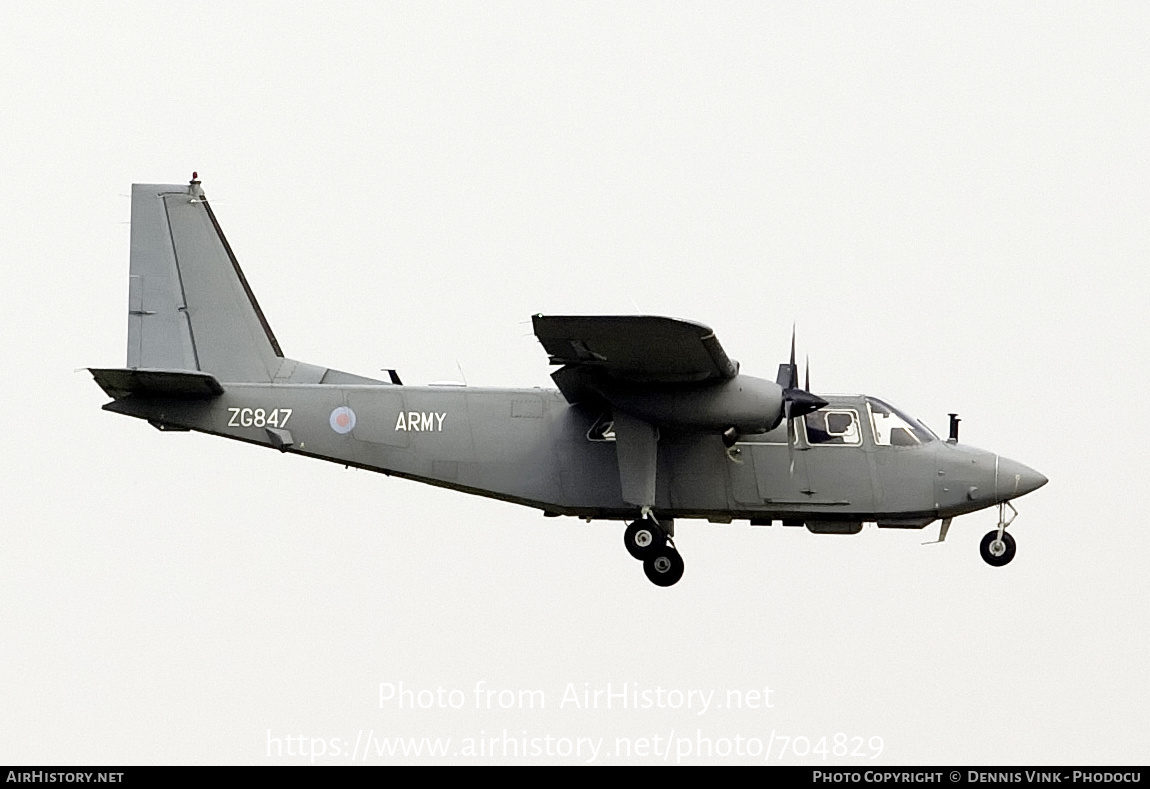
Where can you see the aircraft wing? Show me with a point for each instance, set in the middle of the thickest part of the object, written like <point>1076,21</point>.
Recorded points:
<point>638,348</point>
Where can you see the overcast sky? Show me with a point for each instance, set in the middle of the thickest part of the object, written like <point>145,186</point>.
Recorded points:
<point>950,201</point>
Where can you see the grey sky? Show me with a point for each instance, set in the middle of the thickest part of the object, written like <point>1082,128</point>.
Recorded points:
<point>951,202</point>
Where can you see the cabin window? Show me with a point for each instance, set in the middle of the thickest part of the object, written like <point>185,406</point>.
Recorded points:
<point>832,427</point>
<point>893,428</point>
<point>602,430</point>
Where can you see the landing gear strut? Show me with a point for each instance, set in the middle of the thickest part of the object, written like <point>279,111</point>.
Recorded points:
<point>998,547</point>
<point>647,541</point>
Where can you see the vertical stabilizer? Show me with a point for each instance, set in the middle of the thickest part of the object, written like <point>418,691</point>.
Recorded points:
<point>190,307</point>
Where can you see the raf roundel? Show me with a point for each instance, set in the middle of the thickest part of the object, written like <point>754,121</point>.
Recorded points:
<point>342,420</point>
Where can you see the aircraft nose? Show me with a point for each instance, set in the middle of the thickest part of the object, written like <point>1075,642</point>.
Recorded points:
<point>1014,479</point>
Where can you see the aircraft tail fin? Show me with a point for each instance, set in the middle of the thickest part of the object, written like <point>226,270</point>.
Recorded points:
<point>189,304</point>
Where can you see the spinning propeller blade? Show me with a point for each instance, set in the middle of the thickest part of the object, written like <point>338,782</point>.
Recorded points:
<point>796,402</point>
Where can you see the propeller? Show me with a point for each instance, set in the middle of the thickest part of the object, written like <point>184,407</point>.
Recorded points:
<point>796,402</point>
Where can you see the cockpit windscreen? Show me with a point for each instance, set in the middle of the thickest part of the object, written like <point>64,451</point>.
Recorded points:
<point>893,427</point>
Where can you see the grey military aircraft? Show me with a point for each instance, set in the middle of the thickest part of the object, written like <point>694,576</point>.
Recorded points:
<point>652,421</point>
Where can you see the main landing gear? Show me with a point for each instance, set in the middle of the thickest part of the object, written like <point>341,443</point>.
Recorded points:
<point>648,542</point>
<point>998,547</point>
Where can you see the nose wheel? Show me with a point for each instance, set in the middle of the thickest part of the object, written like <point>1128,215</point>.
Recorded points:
<point>647,541</point>
<point>997,551</point>
<point>998,547</point>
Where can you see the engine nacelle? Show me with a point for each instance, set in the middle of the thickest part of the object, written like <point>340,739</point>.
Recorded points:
<point>750,405</point>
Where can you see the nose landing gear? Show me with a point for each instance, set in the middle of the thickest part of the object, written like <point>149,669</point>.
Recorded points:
<point>647,541</point>
<point>998,547</point>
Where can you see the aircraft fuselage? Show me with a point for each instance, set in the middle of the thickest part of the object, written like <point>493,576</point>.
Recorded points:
<point>529,446</point>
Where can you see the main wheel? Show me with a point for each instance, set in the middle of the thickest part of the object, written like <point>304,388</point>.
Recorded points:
<point>664,567</point>
<point>997,552</point>
<point>642,538</point>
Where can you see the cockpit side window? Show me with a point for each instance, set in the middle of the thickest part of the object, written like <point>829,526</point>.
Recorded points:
<point>833,426</point>
<point>893,428</point>
<point>603,429</point>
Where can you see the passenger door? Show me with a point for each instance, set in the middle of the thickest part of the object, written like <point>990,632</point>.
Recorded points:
<point>837,463</point>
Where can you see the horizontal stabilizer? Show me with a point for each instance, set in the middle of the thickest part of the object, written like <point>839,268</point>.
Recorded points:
<point>119,383</point>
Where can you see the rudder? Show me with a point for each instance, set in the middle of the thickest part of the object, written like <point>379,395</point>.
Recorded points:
<point>190,306</point>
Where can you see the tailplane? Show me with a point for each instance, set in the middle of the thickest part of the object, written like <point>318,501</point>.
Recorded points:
<point>119,383</point>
